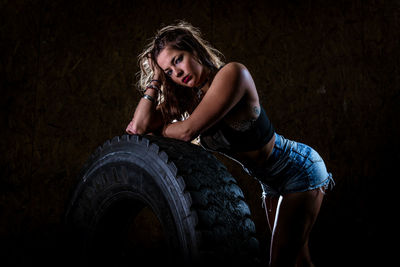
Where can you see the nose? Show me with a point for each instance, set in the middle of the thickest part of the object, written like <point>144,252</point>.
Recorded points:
<point>178,72</point>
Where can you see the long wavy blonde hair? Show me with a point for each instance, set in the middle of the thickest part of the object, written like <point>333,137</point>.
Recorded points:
<point>177,101</point>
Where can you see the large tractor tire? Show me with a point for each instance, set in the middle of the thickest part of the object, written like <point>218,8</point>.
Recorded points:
<point>156,200</point>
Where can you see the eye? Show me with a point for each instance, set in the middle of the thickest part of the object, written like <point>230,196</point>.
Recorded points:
<point>179,59</point>
<point>169,72</point>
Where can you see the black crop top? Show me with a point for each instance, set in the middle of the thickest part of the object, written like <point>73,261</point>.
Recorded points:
<point>225,139</point>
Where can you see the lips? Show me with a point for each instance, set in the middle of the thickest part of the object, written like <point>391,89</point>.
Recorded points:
<point>186,79</point>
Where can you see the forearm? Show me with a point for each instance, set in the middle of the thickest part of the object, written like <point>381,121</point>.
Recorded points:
<point>179,130</point>
<point>144,113</point>
<point>147,117</point>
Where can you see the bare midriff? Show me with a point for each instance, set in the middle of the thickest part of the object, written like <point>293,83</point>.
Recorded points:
<point>257,157</point>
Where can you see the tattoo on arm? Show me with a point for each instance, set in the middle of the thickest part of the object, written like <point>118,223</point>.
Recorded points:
<point>256,110</point>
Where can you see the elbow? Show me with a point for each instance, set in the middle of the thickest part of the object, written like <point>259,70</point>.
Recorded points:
<point>179,130</point>
<point>135,128</point>
<point>139,131</point>
<point>186,138</point>
<point>188,135</point>
<point>191,131</point>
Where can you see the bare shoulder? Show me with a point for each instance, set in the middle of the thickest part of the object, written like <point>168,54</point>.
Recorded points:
<point>233,67</point>
<point>234,71</point>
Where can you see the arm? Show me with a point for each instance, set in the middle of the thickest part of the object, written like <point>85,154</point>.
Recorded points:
<point>228,87</point>
<point>147,117</point>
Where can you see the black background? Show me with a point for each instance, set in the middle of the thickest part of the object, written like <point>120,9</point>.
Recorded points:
<point>327,73</point>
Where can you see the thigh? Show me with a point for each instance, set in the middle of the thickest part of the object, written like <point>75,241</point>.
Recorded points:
<point>270,205</point>
<point>295,217</point>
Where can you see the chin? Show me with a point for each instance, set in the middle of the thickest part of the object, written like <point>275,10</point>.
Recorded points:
<point>190,85</point>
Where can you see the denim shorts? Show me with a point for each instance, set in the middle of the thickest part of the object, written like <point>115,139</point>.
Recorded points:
<point>291,167</point>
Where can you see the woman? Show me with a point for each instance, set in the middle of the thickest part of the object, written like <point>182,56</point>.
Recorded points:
<point>189,92</point>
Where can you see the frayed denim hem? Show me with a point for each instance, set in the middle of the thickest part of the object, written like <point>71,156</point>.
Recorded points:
<point>325,185</point>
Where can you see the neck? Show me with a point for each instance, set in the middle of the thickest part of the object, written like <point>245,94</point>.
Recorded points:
<point>203,86</point>
<point>202,89</point>
<point>205,83</point>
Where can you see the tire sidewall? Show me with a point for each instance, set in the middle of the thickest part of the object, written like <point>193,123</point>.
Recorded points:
<point>137,172</point>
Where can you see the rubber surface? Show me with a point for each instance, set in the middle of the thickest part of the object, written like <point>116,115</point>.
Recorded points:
<point>199,214</point>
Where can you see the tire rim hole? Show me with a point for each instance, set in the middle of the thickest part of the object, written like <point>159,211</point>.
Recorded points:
<point>128,230</point>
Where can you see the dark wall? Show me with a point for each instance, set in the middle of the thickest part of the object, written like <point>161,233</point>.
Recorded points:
<point>327,73</point>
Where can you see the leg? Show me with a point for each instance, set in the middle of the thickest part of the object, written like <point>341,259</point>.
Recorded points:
<point>304,258</point>
<point>270,205</point>
<point>296,215</point>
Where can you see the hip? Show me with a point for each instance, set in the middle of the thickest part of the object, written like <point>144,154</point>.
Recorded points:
<point>291,167</point>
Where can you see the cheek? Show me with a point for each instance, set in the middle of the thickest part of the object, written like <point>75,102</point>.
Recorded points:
<point>195,66</point>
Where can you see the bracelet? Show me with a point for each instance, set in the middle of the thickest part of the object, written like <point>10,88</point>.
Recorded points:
<point>156,81</point>
<point>148,97</point>
<point>155,87</point>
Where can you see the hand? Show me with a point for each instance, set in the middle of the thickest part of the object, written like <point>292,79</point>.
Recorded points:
<point>156,69</point>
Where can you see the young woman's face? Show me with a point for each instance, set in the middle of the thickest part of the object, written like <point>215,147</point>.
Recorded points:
<point>182,67</point>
